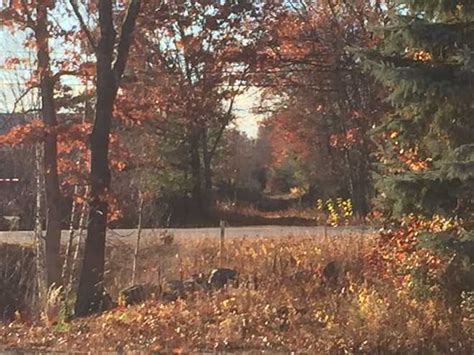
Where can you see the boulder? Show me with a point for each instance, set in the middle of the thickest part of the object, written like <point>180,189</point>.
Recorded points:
<point>172,290</point>
<point>137,294</point>
<point>196,282</point>
<point>331,272</point>
<point>219,278</point>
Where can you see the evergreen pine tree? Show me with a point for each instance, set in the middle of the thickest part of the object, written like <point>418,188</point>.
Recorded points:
<point>425,59</point>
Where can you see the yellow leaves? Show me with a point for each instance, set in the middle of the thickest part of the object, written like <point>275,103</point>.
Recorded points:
<point>322,317</point>
<point>298,191</point>
<point>372,307</point>
<point>442,224</point>
<point>282,313</point>
<point>122,301</point>
<point>252,253</point>
<point>422,56</point>
<point>228,302</point>
<point>418,166</point>
<point>336,212</point>
<point>120,165</point>
<point>411,159</point>
<point>436,223</point>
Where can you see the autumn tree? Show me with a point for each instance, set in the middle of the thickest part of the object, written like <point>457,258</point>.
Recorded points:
<point>16,162</point>
<point>111,53</point>
<point>323,104</point>
<point>33,19</point>
<point>239,168</point>
<point>200,51</point>
<point>426,143</point>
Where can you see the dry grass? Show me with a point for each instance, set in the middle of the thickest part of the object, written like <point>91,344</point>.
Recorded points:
<point>17,279</point>
<point>286,305</point>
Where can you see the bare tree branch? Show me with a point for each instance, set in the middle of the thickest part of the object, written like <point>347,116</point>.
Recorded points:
<point>126,38</point>
<point>83,24</point>
<point>22,96</point>
<point>227,119</point>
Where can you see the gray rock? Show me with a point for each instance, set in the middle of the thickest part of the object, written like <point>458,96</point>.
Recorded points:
<point>137,294</point>
<point>218,278</point>
<point>172,290</point>
<point>331,272</point>
<point>196,282</point>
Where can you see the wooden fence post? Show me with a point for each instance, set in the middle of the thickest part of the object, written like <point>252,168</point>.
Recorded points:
<point>221,248</point>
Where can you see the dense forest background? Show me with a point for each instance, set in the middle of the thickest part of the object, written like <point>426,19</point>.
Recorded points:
<point>174,138</point>
<point>125,114</point>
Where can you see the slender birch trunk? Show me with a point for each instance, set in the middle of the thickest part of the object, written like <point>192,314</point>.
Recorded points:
<point>139,235</point>
<point>68,255</point>
<point>38,235</point>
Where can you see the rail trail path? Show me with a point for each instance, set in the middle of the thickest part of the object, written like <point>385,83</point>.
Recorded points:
<point>182,234</point>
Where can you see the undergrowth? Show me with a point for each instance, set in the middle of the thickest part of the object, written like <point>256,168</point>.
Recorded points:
<point>283,303</point>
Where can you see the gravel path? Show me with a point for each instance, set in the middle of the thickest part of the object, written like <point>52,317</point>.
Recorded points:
<point>128,235</point>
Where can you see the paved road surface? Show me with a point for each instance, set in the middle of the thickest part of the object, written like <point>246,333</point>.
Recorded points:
<point>129,235</point>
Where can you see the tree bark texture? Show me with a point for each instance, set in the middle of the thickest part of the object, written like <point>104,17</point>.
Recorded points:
<point>51,179</point>
<point>90,292</point>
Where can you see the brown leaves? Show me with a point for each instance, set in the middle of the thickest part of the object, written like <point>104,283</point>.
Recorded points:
<point>32,132</point>
<point>398,254</point>
<point>286,313</point>
<point>411,158</point>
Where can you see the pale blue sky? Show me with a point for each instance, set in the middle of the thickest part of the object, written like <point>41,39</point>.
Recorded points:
<point>11,79</point>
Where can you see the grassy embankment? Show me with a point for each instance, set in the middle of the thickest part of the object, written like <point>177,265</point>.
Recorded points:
<point>283,303</point>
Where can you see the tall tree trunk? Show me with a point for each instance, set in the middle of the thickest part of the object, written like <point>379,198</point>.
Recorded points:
<point>51,179</point>
<point>39,242</point>
<point>196,176</point>
<point>354,168</point>
<point>75,258</point>
<point>208,193</point>
<point>356,101</point>
<point>90,292</point>
<point>207,174</point>
<point>363,179</point>
<point>139,237</point>
<point>68,253</point>
<point>91,289</point>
